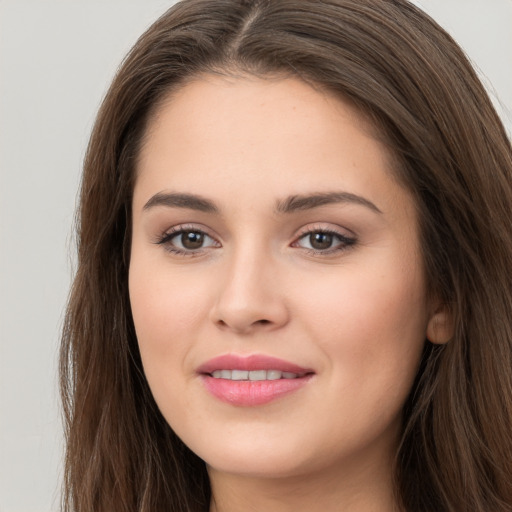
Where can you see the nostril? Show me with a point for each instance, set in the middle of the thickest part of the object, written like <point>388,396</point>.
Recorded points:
<point>249,326</point>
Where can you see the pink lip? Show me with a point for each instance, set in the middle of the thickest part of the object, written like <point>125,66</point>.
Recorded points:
<point>251,393</point>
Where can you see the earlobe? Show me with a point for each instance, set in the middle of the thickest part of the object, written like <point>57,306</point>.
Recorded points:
<point>440,326</point>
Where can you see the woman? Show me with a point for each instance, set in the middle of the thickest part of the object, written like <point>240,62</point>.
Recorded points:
<point>295,270</point>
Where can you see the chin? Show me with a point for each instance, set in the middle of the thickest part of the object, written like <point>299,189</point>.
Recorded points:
<point>253,457</point>
<point>263,466</point>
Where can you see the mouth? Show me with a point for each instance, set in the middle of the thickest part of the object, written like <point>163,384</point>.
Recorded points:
<point>253,380</point>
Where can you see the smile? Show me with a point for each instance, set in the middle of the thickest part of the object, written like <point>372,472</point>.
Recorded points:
<point>254,380</point>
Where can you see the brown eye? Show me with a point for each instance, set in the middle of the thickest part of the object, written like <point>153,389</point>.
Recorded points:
<point>192,239</point>
<point>320,241</point>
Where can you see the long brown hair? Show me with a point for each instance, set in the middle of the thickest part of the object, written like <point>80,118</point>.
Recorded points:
<point>399,68</point>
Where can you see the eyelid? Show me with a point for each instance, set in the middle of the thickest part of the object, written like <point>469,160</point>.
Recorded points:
<point>325,228</point>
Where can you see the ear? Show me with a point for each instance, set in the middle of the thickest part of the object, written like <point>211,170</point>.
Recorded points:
<point>440,328</point>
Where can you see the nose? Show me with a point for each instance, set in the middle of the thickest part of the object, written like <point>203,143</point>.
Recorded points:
<point>250,297</point>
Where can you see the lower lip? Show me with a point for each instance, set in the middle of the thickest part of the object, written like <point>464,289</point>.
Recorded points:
<point>248,393</point>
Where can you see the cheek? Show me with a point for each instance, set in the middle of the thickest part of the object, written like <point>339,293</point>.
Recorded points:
<point>166,314</point>
<point>370,324</point>
<point>372,339</point>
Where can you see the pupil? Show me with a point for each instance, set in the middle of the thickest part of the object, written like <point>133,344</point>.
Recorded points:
<point>192,239</point>
<point>320,240</point>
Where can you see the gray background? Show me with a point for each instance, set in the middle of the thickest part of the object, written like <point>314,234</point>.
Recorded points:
<point>56,60</point>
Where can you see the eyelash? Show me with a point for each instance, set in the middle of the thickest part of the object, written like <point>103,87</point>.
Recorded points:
<point>174,232</point>
<point>344,242</point>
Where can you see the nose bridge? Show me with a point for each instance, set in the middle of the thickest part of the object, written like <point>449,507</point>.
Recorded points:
<point>249,295</point>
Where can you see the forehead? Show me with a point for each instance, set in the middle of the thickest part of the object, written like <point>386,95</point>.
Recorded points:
<point>271,134</point>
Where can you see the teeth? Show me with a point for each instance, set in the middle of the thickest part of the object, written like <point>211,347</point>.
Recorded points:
<point>253,375</point>
<point>258,375</point>
<point>239,375</point>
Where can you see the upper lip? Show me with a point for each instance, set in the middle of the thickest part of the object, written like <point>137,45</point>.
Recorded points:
<point>250,363</point>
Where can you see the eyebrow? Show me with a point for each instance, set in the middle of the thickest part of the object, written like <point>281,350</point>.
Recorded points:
<point>190,201</point>
<point>289,205</point>
<point>310,201</point>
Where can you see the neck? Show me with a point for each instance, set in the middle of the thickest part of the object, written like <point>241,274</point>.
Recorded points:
<point>367,489</point>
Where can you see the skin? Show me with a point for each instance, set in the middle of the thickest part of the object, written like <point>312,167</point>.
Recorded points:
<point>357,314</point>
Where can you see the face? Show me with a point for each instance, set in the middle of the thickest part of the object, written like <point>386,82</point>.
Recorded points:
<point>276,282</point>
